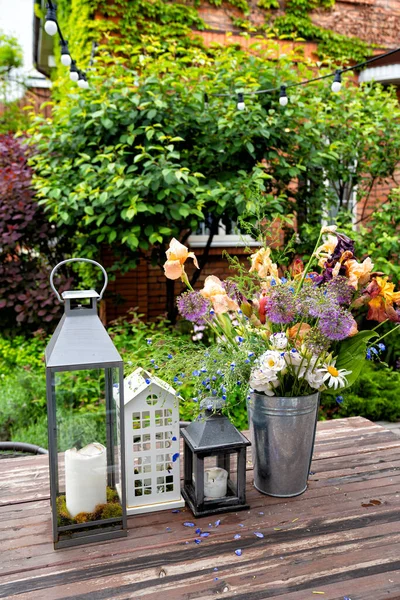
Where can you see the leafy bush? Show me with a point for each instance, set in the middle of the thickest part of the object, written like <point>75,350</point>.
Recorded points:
<point>27,241</point>
<point>375,396</point>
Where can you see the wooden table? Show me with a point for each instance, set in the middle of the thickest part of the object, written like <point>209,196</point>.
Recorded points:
<point>341,538</point>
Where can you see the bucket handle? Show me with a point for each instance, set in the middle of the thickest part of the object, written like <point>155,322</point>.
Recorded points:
<point>87,260</point>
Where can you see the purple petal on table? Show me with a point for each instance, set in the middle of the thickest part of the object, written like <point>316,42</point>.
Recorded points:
<point>204,534</point>
<point>168,529</point>
<point>175,457</point>
<point>258,534</point>
<point>238,552</point>
<point>174,438</point>
<point>188,524</point>
<point>237,536</point>
<point>198,530</point>
<point>217,523</point>
<point>215,568</point>
<point>260,513</point>
<point>241,525</point>
<point>176,510</point>
<point>196,541</point>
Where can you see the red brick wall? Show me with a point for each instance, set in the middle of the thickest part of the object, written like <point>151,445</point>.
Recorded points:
<point>144,288</point>
<point>375,21</point>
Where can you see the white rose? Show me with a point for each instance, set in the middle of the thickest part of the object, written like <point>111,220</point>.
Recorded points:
<point>272,360</point>
<point>262,381</point>
<point>315,378</point>
<point>278,341</point>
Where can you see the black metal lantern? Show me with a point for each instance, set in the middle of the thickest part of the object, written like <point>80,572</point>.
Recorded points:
<point>87,471</point>
<point>215,463</point>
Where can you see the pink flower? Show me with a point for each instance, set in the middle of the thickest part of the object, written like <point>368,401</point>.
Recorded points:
<point>177,254</point>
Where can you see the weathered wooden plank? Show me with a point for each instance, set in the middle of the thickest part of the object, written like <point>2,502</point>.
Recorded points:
<point>324,540</point>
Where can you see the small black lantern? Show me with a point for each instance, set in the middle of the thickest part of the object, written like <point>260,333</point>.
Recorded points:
<point>86,451</point>
<point>215,463</point>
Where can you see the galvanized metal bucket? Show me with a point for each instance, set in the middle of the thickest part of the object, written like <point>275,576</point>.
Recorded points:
<point>282,434</point>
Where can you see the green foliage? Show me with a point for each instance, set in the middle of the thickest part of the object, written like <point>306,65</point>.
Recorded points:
<point>12,117</point>
<point>375,396</point>
<point>267,4</point>
<point>138,158</point>
<point>10,53</point>
<point>352,353</point>
<point>298,25</point>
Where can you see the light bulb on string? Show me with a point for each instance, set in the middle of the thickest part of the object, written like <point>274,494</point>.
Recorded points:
<point>240,101</point>
<point>283,99</point>
<point>73,71</point>
<point>50,25</point>
<point>66,59</point>
<point>82,81</point>
<point>337,82</point>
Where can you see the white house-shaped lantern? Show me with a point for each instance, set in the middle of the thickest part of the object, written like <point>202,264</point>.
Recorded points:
<point>151,444</point>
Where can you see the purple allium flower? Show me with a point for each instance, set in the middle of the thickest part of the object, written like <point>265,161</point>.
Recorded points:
<point>339,289</point>
<point>193,307</point>
<point>313,301</point>
<point>316,341</point>
<point>280,305</point>
<point>337,324</point>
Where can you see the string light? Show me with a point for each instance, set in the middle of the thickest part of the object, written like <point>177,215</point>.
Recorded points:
<point>240,101</point>
<point>50,25</point>
<point>73,71</point>
<point>283,99</point>
<point>66,59</point>
<point>337,82</point>
<point>82,81</point>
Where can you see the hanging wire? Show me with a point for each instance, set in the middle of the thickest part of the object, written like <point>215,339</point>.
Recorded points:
<point>334,74</point>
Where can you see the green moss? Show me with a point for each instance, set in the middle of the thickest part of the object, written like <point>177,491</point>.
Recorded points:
<point>111,510</point>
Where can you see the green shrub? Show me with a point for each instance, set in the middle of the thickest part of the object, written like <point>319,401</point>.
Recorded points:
<point>375,396</point>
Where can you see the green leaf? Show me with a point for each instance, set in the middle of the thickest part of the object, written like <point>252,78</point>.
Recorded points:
<point>112,235</point>
<point>352,356</point>
<point>107,123</point>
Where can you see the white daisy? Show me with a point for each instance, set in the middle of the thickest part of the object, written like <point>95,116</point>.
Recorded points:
<point>334,377</point>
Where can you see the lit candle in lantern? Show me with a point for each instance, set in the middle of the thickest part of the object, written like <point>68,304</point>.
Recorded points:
<point>215,482</point>
<point>85,478</point>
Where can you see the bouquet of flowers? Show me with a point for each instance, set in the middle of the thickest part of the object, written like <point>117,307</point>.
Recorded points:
<point>286,332</point>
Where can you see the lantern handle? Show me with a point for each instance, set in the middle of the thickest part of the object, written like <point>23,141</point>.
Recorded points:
<point>87,260</point>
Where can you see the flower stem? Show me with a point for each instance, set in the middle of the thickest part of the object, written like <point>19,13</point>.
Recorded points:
<point>309,264</point>
<point>383,336</point>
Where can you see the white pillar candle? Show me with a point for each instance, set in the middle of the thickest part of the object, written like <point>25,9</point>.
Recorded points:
<point>85,478</point>
<point>215,482</point>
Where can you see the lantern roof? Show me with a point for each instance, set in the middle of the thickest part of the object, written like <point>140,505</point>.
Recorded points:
<point>141,380</point>
<point>81,342</point>
<point>213,433</point>
<point>79,294</point>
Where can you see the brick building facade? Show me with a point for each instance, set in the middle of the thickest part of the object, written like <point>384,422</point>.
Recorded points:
<point>374,21</point>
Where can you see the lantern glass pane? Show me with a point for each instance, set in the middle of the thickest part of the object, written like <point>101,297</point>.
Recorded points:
<point>88,446</point>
